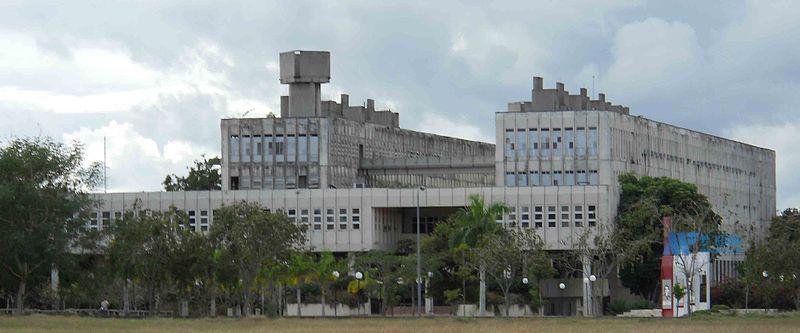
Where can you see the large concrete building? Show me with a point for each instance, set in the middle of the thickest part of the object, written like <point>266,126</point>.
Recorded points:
<point>353,175</point>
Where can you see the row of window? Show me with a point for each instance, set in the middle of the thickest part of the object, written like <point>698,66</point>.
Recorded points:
<point>288,148</point>
<point>331,219</point>
<point>522,144</point>
<point>552,178</point>
<point>567,216</point>
<point>96,219</point>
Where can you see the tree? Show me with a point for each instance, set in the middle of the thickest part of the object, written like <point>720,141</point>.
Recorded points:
<point>472,224</point>
<point>300,271</point>
<point>776,254</point>
<point>322,273</point>
<point>508,256</point>
<point>43,206</point>
<point>204,176</point>
<point>692,229</point>
<point>382,267</point>
<point>250,238</point>
<point>644,201</point>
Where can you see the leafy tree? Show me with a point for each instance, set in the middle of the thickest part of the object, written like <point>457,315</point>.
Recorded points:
<point>204,176</point>
<point>508,256</point>
<point>644,201</point>
<point>250,239</point>
<point>300,271</point>
<point>777,255</point>
<point>383,267</point>
<point>43,206</point>
<point>322,274</point>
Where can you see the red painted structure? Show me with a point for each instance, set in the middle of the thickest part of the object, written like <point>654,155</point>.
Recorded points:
<point>666,275</point>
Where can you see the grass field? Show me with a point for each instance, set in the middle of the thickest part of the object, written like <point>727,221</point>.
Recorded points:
<point>42,323</point>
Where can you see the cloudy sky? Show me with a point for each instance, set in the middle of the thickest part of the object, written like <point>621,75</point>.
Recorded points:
<point>156,77</point>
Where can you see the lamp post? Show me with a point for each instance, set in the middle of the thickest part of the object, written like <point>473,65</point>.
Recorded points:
<point>335,305</point>
<point>525,307</point>
<point>359,277</point>
<point>419,256</point>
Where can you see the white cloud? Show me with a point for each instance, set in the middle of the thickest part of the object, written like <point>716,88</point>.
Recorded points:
<point>652,57</point>
<point>435,123</point>
<point>135,162</point>
<point>784,140</point>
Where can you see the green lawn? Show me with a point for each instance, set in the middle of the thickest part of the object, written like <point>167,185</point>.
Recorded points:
<point>42,323</point>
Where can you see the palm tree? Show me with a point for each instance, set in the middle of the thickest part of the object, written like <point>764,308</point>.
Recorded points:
<point>472,223</point>
<point>299,272</point>
<point>322,273</point>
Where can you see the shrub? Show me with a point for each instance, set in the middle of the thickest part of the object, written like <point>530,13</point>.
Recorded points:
<point>618,306</point>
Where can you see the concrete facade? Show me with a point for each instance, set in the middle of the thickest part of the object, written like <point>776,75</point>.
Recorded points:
<point>351,174</point>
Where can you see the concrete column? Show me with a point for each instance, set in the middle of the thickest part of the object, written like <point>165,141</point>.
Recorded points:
<point>588,306</point>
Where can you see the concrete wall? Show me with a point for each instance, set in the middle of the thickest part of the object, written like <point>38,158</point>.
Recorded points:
<point>379,219</point>
<point>738,179</point>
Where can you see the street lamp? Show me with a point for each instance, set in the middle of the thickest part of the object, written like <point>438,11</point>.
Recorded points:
<point>335,299</point>
<point>359,276</point>
<point>419,257</point>
<point>562,286</point>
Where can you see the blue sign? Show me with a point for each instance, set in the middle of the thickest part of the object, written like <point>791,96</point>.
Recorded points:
<point>683,243</point>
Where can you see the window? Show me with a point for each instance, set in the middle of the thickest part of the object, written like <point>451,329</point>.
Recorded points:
<point>569,141</point>
<point>313,148</point>
<point>569,177</point>
<point>204,220</point>
<point>592,215</point>
<point>557,178</point>
<point>538,216</point>
<point>580,142</point>
<point>302,148</point>
<point>356,218</point>
<point>533,142</point>
<point>499,219</point>
<point>93,220</point>
<point>564,216</point>
<point>192,220</point>
<point>234,144</point>
<point>546,179</point>
<point>304,216</point>
<point>522,178</point>
<point>582,178</point>
<point>551,216</point>
<point>510,179</point>
<point>280,150</point>
<point>512,217</point>
<point>578,216</point>
<point>106,219</point>
<point>330,219</point>
<point>508,144</point>
<point>525,217</point>
<point>292,214</point>
<point>317,219</point>
<point>291,148</point>
<point>533,178</point>
<point>117,216</point>
<point>592,141</point>
<point>544,142</point>
<point>343,219</point>
<point>258,148</point>
<point>593,177</point>
<point>555,142</point>
<point>521,147</point>
<point>246,148</point>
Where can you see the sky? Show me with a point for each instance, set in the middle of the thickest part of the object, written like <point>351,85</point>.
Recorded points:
<point>155,77</point>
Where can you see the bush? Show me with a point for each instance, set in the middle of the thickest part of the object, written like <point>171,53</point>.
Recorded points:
<point>618,306</point>
<point>640,305</point>
<point>719,307</point>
